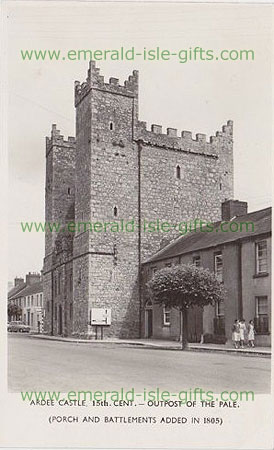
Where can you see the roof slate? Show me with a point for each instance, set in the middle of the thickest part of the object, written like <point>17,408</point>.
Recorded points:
<point>199,240</point>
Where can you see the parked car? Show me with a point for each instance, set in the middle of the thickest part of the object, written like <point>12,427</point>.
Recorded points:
<point>18,326</point>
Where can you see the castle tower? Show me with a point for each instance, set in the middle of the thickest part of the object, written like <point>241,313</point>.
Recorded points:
<point>59,210</point>
<point>106,262</point>
<point>122,172</point>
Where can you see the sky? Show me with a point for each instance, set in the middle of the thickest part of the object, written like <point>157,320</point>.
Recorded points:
<point>199,96</point>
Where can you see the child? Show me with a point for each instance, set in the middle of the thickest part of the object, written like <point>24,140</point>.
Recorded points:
<point>242,332</point>
<point>236,333</point>
<point>251,334</point>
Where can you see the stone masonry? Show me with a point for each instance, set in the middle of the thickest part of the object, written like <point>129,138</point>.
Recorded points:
<point>117,169</point>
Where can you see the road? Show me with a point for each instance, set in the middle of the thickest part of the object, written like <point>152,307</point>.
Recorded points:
<point>61,366</point>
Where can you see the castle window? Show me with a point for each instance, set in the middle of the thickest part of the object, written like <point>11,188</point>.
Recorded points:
<point>111,126</point>
<point>71,281</point>
<point>115,211</point>
<point>178,172</point>
<point>69,191</point>
<point>59,284</point>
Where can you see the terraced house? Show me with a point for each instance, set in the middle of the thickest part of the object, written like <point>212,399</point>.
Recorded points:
<point>28,296</point>
<point>238,251</point>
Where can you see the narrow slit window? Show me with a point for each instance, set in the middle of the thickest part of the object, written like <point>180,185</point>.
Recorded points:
<point>178,172</point>
<point>111,126</point>
<point>115,211</point>
<point>69,191</point>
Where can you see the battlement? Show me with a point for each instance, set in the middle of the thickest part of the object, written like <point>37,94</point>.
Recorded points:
<point>185,141</point>
<point>57,139</point>
<point>96,81</point>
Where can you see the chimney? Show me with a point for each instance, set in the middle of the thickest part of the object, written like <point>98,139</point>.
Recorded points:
<point>233,208</point>
<point>18,281</point>
<point>32,278</point>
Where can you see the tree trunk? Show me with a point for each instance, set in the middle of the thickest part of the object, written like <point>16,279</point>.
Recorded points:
<point>184,328</point>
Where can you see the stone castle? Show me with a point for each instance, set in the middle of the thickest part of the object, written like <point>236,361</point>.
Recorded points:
<point>117,169</point>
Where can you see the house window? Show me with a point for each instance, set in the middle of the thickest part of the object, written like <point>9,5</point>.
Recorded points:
<point>41,299</point>
<point>55,312</point>
<point>261,257</point>
<point>220,309</point>
<point>153,270</point>
<point>218,266</point>
<point>70,311</point>
<point>196,261</point>
<point>166,316</point>
<point>261,319</point>
<point>168,264</point>
<point>178,172</point>
<point>32,300</point>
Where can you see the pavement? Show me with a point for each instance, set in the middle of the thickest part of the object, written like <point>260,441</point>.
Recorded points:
<point>40,364</point>
<point>159,344</point>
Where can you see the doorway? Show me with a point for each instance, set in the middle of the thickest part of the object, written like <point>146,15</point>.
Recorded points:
<point>60,320</point>
<point>148,319</point>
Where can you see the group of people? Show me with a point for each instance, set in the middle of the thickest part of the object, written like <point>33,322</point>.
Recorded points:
<point>242,333</point>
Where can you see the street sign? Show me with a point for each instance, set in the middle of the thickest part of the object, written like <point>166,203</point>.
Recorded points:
<point>100,316</point>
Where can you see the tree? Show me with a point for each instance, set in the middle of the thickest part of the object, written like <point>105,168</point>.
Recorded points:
<point>14,311</point>
<point>183,287</point>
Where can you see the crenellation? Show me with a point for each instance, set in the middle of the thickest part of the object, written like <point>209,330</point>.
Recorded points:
<point>187,135</point>
<point>157,129</point>
<point>57,139</point>
<point>172,132</point>
<point>200,137</point>
<point>96,81</point>
<point>114,81</point>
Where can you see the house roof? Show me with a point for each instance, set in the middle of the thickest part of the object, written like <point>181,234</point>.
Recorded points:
<point>34,288</point>
<point>13,293</point>
<point>24,290</point>
<point>199,240</point>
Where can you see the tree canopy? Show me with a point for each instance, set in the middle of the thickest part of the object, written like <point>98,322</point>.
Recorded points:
<point>184,286</point>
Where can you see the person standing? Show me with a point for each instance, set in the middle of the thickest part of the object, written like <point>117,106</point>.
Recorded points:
<point>251,333</point>
<point>242,332</point>
<point>236,333</point>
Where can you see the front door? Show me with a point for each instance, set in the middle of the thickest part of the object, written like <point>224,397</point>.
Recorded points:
<point>195,324</point>
<point>60,320</point>
<point>149,323</point>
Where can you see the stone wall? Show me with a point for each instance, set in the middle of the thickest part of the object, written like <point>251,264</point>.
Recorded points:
<point>123,171</point>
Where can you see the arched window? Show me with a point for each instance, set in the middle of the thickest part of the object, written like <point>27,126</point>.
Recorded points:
<point>111,126</point>
<point>178,172</point>
<point>148,305</point>
<point>115,211</point>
